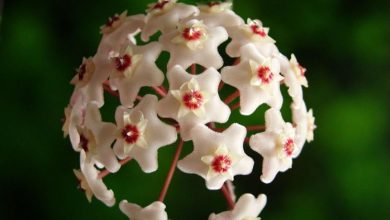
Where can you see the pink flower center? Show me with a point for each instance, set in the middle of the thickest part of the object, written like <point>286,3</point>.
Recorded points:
<point>288,147</point>
<point>265,74</point>
<point>81,71</point>
<point>121,63</point>
<point>111,20</point>
<point>221,163</point>
<point>211,4</point>
<point>160,5</point>
<point>84,143</point>
<point>193,99</point>
<point>130,133</point>
<point>258,30</point>
<point>191,34</point>
<point>302,70</point>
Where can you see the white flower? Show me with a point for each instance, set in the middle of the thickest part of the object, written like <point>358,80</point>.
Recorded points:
<point>254,33</point>
<point>142,133</point>
<point>298,70</point>
<point>113,23</point>
<point>218,14</point>
<point>193,34</point>
<point>304,123</point>
<point>91,183</point>
<point>276,145</point>
<point>164,16</point>
<point>217,157</point>
<point>154,211</point>
<point>87,85</point>
<point>247,208</point>
<point>193,99</point>
<point>311,126</point>
<point>122,34</point>
<point>74,118</point>
<point>135,67</point>
<point>197,46</point>
<point>96,139</point>
<point>257,78</point>
<point>84,73</point>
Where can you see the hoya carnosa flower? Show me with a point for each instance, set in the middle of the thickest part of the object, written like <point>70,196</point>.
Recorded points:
<point>193,99</point>
<point>218,14</point>
<point>109,44</point>
<point>154,211</point>
<point>74,118</point>
<point>311,126</point>
<point>294,77</point>
<point>87,83</point>
<point>91,183</point>
<point>83,73</point>
<point>247,207</point>
<point>217,157</point>
<point>113,23</point>
<point>303,122</point>
<point>96,138</point>
<point>125,66</point>
<point>141,133</point>
<point>298,70</point>
<point>251,33</point>
<point>257,78</point>
<point>122,34</point>
<point>134,67</point>
<point>193,34</point>
<point>193,42</point>
<point>277,145</point>
<point>164,15</point>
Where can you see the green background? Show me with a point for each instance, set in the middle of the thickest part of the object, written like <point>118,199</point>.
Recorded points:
<point>343,174</point>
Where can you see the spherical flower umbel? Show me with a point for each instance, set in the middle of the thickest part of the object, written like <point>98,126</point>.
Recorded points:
<point>188,100</point>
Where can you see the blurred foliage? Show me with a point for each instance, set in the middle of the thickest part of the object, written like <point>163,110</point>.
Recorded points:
<point>343,174</point>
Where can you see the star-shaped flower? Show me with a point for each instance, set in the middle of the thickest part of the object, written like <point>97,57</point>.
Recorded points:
<point>111,43</point>
<point>276,145</point>
<point>247,208</point>
<point>96,139</point>
<point>134,67</point>
<point>193,99</point>
<point>74,118</point>
<point>298,70</point>
<point>154,211</point>
<point>218,14</point>
<point>257,78</point>
<point>91,183</point>
<point>86,82</point>
<point>193,34</point>
<point>294,77</point>
<point>311,126</point>
<point>113,23</point>
<point>251,33</point>
<point>304,124</point>
<point>142,133</point>
<point>217,157</point>
<point>164,16</point>
<point>84,73</point>
<point>193,42</point>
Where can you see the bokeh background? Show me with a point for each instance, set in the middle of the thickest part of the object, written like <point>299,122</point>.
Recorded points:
<point>343,174</point>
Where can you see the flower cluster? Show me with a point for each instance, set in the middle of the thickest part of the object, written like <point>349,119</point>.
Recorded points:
<point>191,109</point>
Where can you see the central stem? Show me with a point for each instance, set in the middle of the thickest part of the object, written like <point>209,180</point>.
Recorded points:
<point>231,97</point>
<point>171,171</point>
<point>227,195</point>
<point>160,90</point>
<point>193,69</point>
